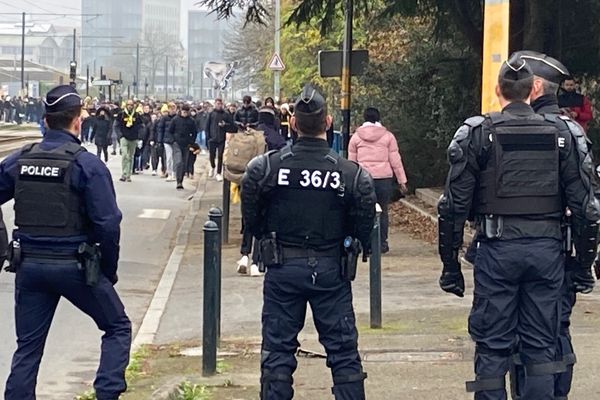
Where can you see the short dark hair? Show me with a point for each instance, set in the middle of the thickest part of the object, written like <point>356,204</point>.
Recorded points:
<point>63,119</point>
<point>185,107</point>
<point>371,114</point>
<point>247,99</point>
<point>311,124</point>
<point>513,90</point>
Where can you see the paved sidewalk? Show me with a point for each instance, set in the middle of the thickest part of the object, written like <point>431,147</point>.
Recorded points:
<point>423,352</point>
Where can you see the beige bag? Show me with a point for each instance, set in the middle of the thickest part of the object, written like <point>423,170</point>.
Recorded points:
<point>240,150</point>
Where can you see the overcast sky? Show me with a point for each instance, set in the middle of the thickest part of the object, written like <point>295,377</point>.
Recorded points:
<point>68,7</point>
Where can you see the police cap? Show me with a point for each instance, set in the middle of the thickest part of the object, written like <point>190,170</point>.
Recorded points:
<point>515,69</point>
<point>544,66</point>
<point>62,98</point>
<point>310,101</point>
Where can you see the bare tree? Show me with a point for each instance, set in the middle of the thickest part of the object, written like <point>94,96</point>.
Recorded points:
<point>156,44</point>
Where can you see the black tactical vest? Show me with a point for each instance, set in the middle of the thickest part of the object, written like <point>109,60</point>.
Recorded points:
<point>308,200</point>
<point>521,176</point>
<point>45,202</point>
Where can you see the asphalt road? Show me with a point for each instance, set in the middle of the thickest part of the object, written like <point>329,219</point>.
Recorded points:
<point>152,210</point>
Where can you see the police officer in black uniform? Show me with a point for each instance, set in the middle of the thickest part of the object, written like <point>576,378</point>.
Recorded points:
<point>517,172</point>
<point>311,210</point>
<point>66,245</point>
<point>548,75</point>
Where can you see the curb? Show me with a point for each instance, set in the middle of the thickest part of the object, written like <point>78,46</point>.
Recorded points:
<point>151,322</point>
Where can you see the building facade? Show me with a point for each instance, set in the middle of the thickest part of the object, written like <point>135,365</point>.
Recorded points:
<point>110,40</point>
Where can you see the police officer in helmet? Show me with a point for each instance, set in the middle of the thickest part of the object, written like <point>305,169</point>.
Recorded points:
<point>66,245</point>
<point>311,211</point>
<point>517,172</point>
<point>548,75</point>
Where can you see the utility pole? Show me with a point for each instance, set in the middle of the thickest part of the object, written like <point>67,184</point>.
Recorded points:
<point>202,82</point>
<point>137,70</point>
<point>187,92</point>
<point>277,76</point>
<point>23,53</point>
<point>346,97</point>
<point>166,78</point>
<point>74,44</point>
<point>87,80</point>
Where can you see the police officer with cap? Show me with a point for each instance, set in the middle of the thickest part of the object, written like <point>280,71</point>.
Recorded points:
<point>548,75</point>
<point>312,212</point>
<point>516,172</point>
<point>66,244</point>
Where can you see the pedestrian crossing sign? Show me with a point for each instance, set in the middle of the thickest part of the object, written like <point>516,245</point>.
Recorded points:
<point>276,64</point>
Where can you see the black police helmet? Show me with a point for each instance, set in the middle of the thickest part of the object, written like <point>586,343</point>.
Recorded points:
<point>62,98</point>
<point>544,66</point>
<point>310,101</point>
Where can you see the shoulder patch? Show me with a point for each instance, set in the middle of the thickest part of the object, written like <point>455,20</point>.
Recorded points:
<point>564,117</point>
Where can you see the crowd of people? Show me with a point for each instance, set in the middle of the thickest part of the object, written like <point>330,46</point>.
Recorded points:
<point>18,110</point>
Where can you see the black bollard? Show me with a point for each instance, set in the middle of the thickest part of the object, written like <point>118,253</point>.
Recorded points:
<point>216,215</point>
<point>209,324</point>
<point>375,273</point>
<point>226,203</point>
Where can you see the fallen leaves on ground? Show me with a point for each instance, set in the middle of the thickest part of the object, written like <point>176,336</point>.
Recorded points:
<point>406,219</point>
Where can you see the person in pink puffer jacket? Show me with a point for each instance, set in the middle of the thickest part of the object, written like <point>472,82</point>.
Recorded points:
<point>375,149</point>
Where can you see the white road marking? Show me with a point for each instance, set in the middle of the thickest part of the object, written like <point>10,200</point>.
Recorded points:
<point>152,213</point>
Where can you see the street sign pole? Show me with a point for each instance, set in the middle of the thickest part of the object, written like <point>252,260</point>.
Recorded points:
<point>347,78</point>
<point>277,74</point>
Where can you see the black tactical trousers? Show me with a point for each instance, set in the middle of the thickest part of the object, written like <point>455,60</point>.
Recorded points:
<point>516,302</point>
<point>287,290</point>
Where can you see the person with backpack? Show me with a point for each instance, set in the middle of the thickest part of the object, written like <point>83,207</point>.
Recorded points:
<point>241,149</point>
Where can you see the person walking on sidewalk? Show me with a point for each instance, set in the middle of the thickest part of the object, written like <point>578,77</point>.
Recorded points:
<point>67,220</point>
<point>166,139</point>
<point>183,131</point>
<point>130,125</point>
<point>101,132</point>
<point>376,150</point>
<point>311,210</point>
<point>519,268</point>
<point>216,128</point>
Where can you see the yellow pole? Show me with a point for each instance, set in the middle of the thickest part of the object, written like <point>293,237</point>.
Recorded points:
<point>495,50</point>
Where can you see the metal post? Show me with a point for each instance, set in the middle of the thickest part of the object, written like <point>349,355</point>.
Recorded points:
<point>145,87</point>
<point>137,70</point>
<point>375,273</point>
<point>496,40</point>
<point>167,79</point>
<point>209,328</point>
<point>226,202</point>
<point>277,77</point>
<point>87,80</point>
<point>346,95</point>
<point>202,82</point>
<point>23,53</point>
<point>187,92</point>
<point>74,44</point>
<point>216,215</point>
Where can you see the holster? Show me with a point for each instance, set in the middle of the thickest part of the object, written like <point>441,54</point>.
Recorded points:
<point>89,258</point>
<point>349,261</point>
<point>270,252</point>
<point>14,256</point>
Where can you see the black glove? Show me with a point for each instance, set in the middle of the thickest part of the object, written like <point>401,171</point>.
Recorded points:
<point>582,280</point>
<point>452,280</point>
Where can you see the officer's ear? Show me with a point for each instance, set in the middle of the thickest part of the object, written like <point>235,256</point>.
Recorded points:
<point>538,89</point>
<point>329,122</point>
<point>76,125</point>
<point>293,123</point>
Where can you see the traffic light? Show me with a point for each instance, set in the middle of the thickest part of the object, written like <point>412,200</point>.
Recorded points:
<point>73,71</point>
